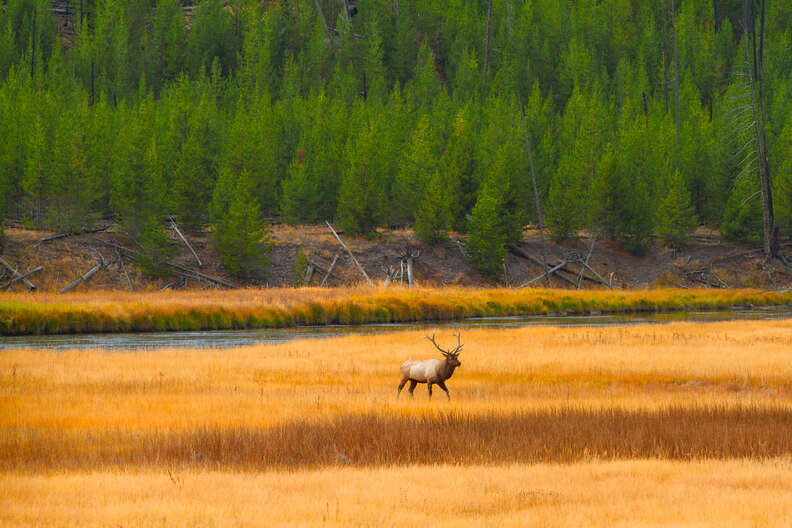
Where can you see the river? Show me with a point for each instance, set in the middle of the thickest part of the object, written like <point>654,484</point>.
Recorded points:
<point>236,338</point>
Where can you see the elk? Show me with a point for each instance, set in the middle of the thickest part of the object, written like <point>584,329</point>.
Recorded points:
<point>431,371</point>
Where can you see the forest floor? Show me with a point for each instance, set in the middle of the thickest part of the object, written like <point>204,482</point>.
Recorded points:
<point>705,262</point>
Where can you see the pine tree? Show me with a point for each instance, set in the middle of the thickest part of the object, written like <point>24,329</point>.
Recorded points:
<point>433,218</point>
<point>487,242</point>
<point>362,197</point>
<point>239,231</point>
<point>459,166</point>
<point>676,218</point>
<point>415,169</point>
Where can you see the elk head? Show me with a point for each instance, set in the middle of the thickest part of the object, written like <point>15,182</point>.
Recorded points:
<point>451,356</point>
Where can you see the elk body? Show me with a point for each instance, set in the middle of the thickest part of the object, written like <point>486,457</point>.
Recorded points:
<point>430,371</point>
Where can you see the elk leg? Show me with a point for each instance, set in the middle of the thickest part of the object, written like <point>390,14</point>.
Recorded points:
<point>401,385</point>
<point>429,386</point>
<point>413,383</point>
<point>442,386</point>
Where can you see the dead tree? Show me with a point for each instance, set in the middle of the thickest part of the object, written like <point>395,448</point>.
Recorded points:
<point>18,278</point>
<point>390,273</point>
<point>324,21</point>
<point>755,63</point>
<point>487,41</point>
<point>175,229</point>
<point>100,263</point>
<point>15,273</point>
<point>329,270</point>
<point>676,73</point>
<point>407,256</point>
<point>535,189</point>
<point>349,252</point>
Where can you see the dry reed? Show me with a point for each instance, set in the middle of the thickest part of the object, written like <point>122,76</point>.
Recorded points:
<point>124,312</point>
<point>552,435</point>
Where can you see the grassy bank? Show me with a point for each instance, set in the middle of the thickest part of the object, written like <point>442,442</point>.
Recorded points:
<point>274,308</point>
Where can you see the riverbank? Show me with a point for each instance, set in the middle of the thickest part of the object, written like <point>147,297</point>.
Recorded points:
<point>104,312</point>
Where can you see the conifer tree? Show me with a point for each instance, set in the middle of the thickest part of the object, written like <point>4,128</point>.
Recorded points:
<point>433,218</point>
<point>415,169</point>
<point>239,232</point>
<point>360,204</point>
<point>486,246</point>
<point>459,166</point>
<point>676,218</point>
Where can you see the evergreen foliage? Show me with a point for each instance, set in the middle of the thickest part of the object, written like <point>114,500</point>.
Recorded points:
<point>244,110</point>
<point>676,217</point>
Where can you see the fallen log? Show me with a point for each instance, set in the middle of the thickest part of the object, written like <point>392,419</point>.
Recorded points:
<point>86,277</point>
<point>123,270</point>
<point>329,270</point>
<point>350,254</point>
<point>74,233</point>
<point>175,229</point>
<point>180,270</point>
<point>20,277</point>
<point>15,273</point>
<point>197,275</point>
<point>546,273</point>
<point>520,252</point>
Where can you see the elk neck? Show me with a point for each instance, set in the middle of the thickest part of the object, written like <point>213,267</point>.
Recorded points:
<point>447,370</point>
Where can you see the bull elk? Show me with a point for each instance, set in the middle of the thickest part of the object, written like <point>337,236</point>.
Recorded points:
<point>431,371</point>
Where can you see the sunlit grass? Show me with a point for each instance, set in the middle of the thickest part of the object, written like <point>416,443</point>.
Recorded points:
<point>636,368</point>
<point>46,313</point>
<point>631,493</point>
<point>218,436</point>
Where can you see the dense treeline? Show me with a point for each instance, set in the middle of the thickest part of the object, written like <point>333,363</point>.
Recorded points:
<point>245,110</point>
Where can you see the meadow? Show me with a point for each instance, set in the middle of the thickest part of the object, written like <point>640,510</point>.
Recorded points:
<point>97,311</point>
<point>645,424</point>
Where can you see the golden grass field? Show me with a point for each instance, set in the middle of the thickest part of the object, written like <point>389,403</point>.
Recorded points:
<point>48,313</point>
<point>685,423</point>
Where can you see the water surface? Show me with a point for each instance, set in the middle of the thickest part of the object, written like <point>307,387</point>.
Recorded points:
<point>235,338</point>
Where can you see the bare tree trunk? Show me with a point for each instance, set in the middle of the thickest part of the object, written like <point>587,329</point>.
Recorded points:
<point>18,278</point>
<point>175,229</point>
<point>755,67</point>
<point>396,7</point>
<point>324,22</point>
<point>487,41</point>
<point>84,278</point>
<point>15,273</point>
<point>346,11</point>
<point>535,189</point>
<point>329,270</point>
<point>362,271</point>
<point>676,74</point>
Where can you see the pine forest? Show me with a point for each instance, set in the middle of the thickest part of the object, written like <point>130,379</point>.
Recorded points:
<point>634,120</point>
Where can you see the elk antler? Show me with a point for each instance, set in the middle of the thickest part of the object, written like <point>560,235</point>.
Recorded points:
<point>459,343</point>
<point>432,339</point>
<point>456,350</point>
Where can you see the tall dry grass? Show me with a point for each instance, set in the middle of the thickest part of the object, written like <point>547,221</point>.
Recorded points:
<point>634,493</point>
<point>527,394</point>
<point>554,435</point>
<point>310,432</point>
<point>45,313</point>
